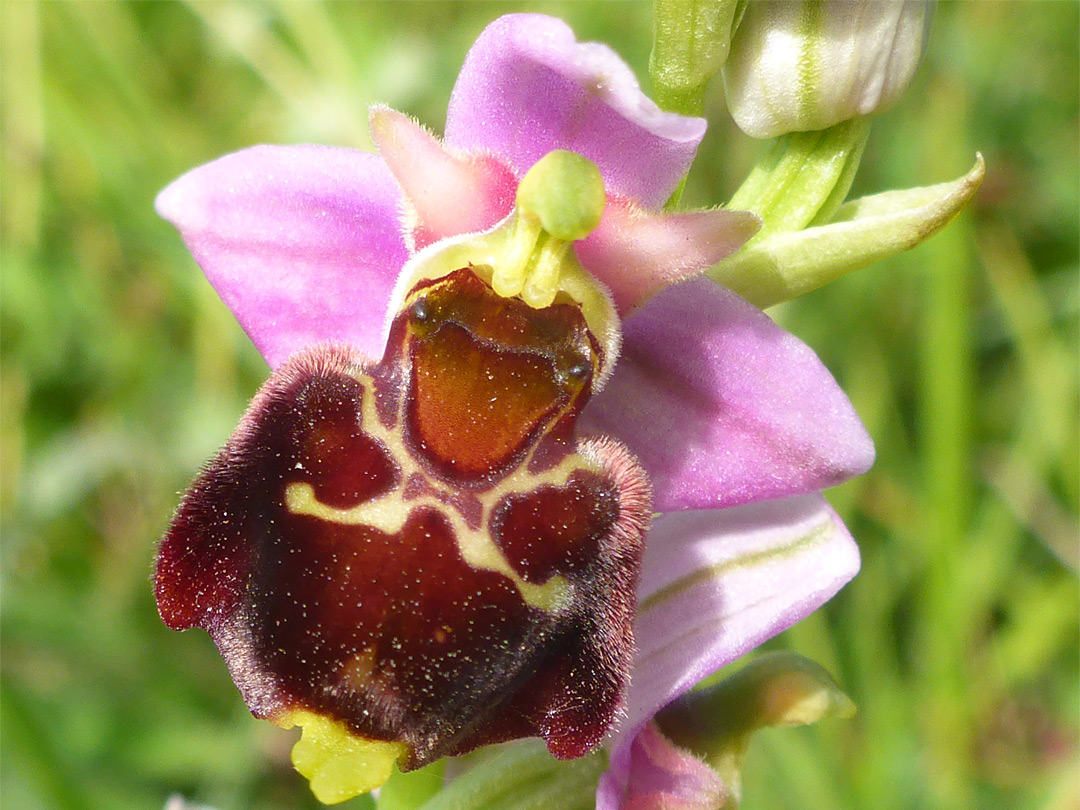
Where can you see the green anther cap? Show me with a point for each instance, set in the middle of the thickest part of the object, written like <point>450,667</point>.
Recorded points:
<point>565,192</point>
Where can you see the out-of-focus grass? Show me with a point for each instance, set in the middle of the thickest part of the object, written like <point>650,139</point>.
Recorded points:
<point>122,372</point>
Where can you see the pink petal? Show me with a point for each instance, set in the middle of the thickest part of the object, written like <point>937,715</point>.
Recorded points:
<point>527,87</point>
<point>301,242</point>
<point>637,253</point>
<point>723,407</point>
<point>449,193</point>
<point>717,583</point>
<point>660,776</point>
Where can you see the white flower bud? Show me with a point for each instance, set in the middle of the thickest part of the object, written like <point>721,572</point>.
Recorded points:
<point>802,65</point>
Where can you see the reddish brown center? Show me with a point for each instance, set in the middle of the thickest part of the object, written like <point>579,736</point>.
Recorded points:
<point>489,374</point>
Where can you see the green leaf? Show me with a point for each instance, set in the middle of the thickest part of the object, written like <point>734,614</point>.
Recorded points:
<point>520,776</point>
<point>407,791</point>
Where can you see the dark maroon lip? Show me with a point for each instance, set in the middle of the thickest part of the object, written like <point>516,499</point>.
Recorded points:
<point>320,602</point>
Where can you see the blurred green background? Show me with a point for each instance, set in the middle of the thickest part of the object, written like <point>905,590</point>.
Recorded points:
<point>122,372</point>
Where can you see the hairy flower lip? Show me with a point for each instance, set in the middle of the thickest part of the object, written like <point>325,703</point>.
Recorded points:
<point>304,244</point>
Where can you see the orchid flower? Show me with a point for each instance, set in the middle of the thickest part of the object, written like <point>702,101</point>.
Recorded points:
<point>734,425</point>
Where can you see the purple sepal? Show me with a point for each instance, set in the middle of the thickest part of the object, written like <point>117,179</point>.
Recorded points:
<point>717,583</point>
<point>301,242</point>
<point>528,86</point>
<point>723,407</point>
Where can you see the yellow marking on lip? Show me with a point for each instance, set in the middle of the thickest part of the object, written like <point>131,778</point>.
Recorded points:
<point>338,763</point>
<point>388,512</point>
<point>388,515</point>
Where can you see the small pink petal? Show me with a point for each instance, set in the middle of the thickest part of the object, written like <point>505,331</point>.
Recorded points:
<point>660,776</point>
<point>717,583</point>
<point>301,242</point>
<point>450,193</point>
<point>638,253</point>
<point>723,407</point>
<point>528,87</point>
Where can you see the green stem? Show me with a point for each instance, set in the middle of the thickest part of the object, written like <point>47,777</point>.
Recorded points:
<point>846,177</point>
<point>804,177</point>
<point>690,44</point>
<point>507,777</point>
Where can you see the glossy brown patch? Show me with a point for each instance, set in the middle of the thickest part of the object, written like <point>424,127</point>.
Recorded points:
<point>475,407</point>
<point>489,374</point>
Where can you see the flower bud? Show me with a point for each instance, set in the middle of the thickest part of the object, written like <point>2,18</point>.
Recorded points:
<point>776,689</point>
<point>801,65</point>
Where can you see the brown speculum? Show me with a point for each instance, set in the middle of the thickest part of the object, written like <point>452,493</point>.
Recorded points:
<point>422,549</point>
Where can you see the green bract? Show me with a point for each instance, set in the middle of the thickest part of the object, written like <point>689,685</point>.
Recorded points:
<point>783,264</point>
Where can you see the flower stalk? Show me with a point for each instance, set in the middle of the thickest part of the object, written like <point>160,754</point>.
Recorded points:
<point>804,177</point>
<point>691,39</point>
